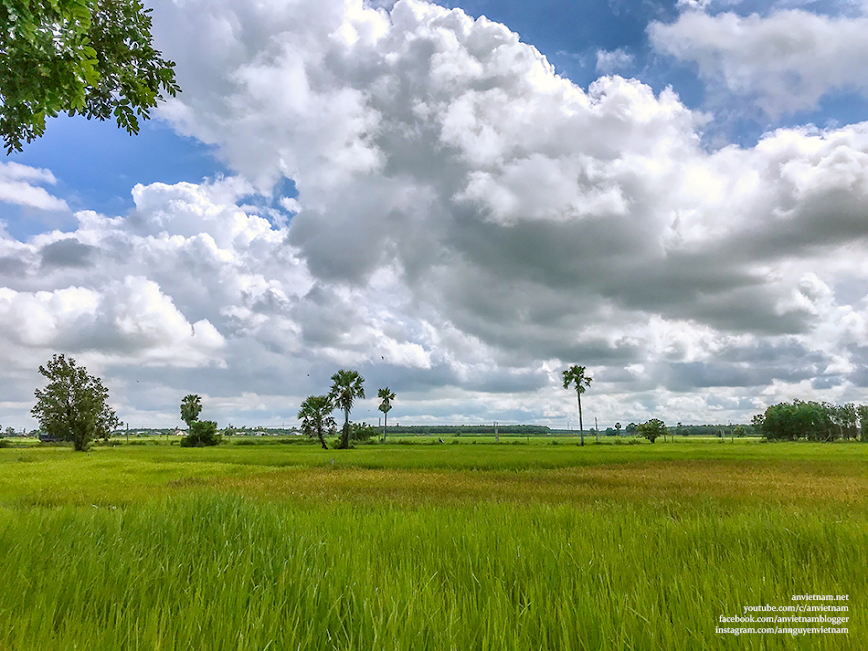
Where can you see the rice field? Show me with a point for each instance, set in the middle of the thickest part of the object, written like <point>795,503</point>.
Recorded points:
<point>467,546</point>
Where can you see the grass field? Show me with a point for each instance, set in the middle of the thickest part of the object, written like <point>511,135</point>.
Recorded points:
<point>522,545</point>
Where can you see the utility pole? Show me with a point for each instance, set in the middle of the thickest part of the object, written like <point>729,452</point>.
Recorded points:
<point>496,436</point>
<point>596,429</point>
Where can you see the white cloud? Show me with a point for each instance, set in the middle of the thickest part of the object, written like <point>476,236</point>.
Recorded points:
<point>467,223</point>
<point>19,185</point>
<point>609,61</point>
<point>785,61</point>
<point>290,205</point>
<point>129,321</point>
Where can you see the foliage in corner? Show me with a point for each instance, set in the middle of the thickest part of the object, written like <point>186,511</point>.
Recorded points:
<point>89,57</point>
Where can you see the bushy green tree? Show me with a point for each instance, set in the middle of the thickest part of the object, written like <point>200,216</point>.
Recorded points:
<point>346,387</point>
<point>202,433</point>
<point>789,421</point>
<point>651,429</point>
<point>316,419</point>
<point>93,57</point>
<point>74,404</point>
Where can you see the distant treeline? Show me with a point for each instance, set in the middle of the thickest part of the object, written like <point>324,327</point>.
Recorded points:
<point>714,430</point>
<point>458,430</point>
<point>815,421</point>
<point>730,429</point>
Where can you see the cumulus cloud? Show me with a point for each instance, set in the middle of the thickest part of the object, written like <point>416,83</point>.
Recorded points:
<point>19,184</point>
<point>609,61</point>
<point>785,61</point>
<point>129,321</point>
<point>467,223</point>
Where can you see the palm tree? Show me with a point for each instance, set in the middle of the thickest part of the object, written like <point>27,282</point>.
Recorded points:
<point>191,407</point>
<point>316,419</point>
<point>576,375</point>
<point>387,397</point>
<point>346,387</point>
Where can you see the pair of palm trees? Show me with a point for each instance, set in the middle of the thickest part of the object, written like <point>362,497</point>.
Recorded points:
<point>315,412</point>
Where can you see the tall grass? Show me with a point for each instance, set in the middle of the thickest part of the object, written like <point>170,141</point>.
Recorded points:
<point>425,547</point>
<point>222,572</point>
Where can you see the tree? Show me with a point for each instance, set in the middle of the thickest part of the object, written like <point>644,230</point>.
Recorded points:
<point>92,57</point>
<point>862,412</point>
<point>386,397</point>
<point>316,419</point>
<point>651,429</point>
<point>756,422</point>
<point>74,404</point>
<point>848,416</point>
<point>576,375</point>
<point>791,421</point>
<point>191,407</point>
<point>346,387</point>
<point>617,429</point>
<point>739,431</point>
<point>202,433</point>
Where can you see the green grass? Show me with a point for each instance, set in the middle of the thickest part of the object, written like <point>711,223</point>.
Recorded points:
<point>464,546</point>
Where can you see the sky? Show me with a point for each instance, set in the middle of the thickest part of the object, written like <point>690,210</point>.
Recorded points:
<point>458,200</point>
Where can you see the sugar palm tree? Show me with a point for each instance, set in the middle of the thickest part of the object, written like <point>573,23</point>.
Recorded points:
<point>346,387</point>
<point>576,375</point>
<point>191,407</point>
<point>316,419</point>
<point>386,396</point>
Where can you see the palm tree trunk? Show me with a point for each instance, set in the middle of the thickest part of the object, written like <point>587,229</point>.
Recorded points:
<point>345,435</point>
<point>385,420</point>
<point>581,429</point>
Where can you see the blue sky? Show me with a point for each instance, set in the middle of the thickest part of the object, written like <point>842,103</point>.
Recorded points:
<point>107,161</point>
<point>415,193</point>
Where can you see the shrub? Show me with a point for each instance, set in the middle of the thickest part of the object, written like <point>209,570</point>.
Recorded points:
<point>363,432</point>
<point>652,429</point>
<point>202,433</point>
